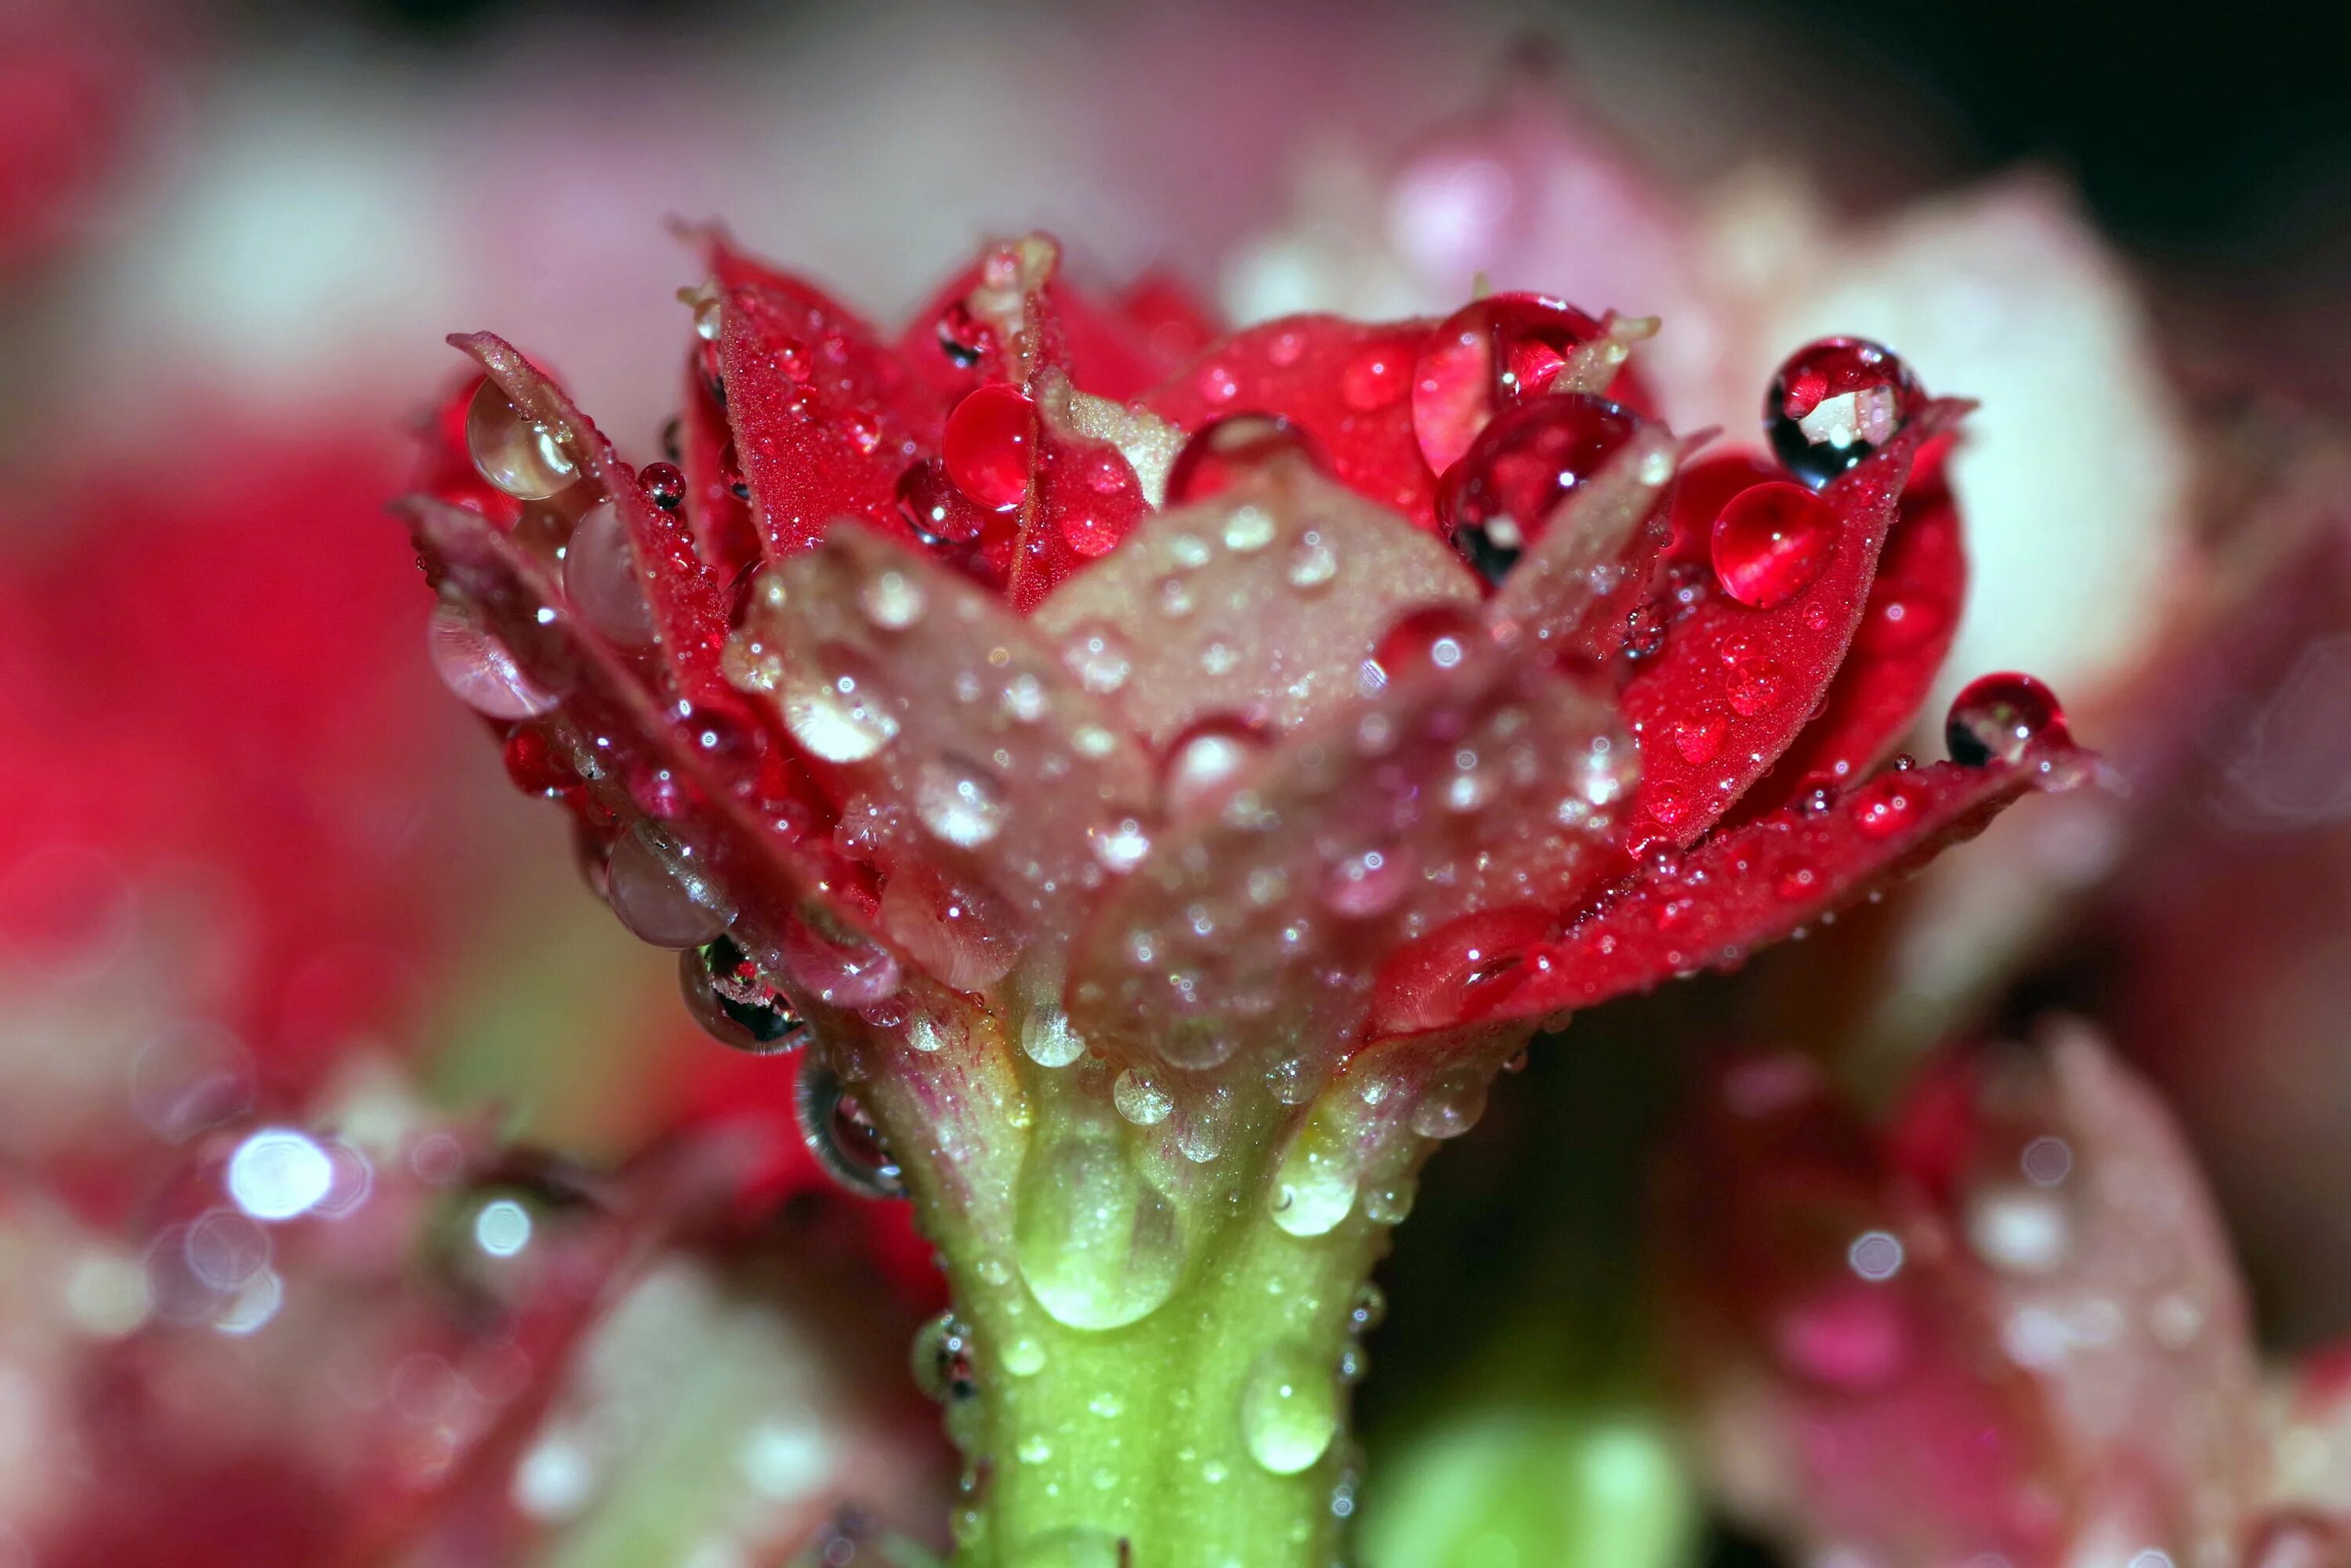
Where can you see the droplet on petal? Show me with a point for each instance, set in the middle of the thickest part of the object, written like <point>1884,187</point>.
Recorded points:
<point>2000,719</point>
<point>1834,402</point>
<point>1487,357</point>
<point>477,667</point>
<point>1770,543</point>
<point>599,578</point>
<point>990,438</point>
<point>664,484</point>
<point>1498,498</point>
<point>842,1137</point>
<point>1441,637</point>
<point>1226,450</point>
<point>655,900</point>
<point>523,458</point>
<point>732,999</point>
<point>1206,757</point>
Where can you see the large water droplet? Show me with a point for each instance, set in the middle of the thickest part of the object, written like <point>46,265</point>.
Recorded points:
<point>960,934</point>
<point>989,442</point>
<point>1226,451</point>
<point>842,1137</point>
<point>732,999</point>
<point>1140,1098</point>
<point>2001,718</point>
<point>476,666</point>
<point>1451,1105</point>
<point>659,897</point>
<point>1770,543</point>
<point>1048,1039</point>
<point>1315,1187</point>
<point>1495,501</point>
<point>959,800</point>
<point>524,459</point>
<point>1289,1410</point>
<point>1834,402</point>
<point>1206,757</point>
<point>1098,1246</point>
<point>1487,356</point>
<point>599,578</point>
<point>841,716</point>
<point>840,971</point>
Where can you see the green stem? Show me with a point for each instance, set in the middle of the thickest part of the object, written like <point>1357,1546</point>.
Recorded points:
<point>1210,1433</point>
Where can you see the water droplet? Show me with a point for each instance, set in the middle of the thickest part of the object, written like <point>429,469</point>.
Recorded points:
<point>476,666</point>
<point>1368,883</point>
<point>987,446</point>
<point>734,1002</point>
<point>937,512</point>
<point>1098,1246</point>
<point>1754,686</point>
<point>840,971</point>
<point>524,459</point>
<point>1497,500</point>
<point>960,802</point>
<point>1370,1309</point>
<point>1049,1042</point>
<point>599,578</point>
<point>962,336</point>
<point>1442,637</point>
<point>1834,402</point>
<point>1224,452</point>
<point>1314,1186</point>
<point>1205,759</point>
<point>1311,563</point>
<point>892,600</point>
<point>1699,738</point>
<point>960,934</point>
<point>1451,1103</point>
<point>1390,1203</point>
<point>1024,1356</point>
<point>1100,658</point>
<point>1882,807</point>
<point>1770,542</point>
<point>1290,1410</point>
<point>842,1137</point>
<point>942,1359</point>
<point>2001,718</point>
<point>2019,1227</point>
<point>1140,1098</point>
<point>658,896</point>
<point>840,717</point>
<point>663,483</point>
<point>1487,356</point>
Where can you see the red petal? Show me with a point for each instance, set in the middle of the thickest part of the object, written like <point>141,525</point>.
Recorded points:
<point>722,527</point>
<point>1913,614</point>
<point>1176,322</point>
<point>771,875</point>
<point>1113,351</point>
<point>825,417</point>
<point>1752,885</point>
<point>1733,686</point>
<point>688,606</point>
<point>1346,384</point>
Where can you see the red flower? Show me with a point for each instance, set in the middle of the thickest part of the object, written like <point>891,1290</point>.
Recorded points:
<point>1151,701</point>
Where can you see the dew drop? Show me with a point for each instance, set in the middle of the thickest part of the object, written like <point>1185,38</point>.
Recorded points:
<point>1834,402</point>
<point>1100,658</point>
<point>1024,1355</point>
<point>1366,884</point>
<point>960,934</point>
<point>476,666</point>
<point>1314,1186</point>
<point>661,902</point>
<point>1140,1098</point>
<point>2001,718</point>
<point>1048,1040</point>
<point>842,1137</point>
<point>1078,1546</point>
<point>960,802</point>
<point>1440,638</point>
<point>1224,452</point>
<point>1487,356</point>
<point>843,971</point>
<point>987,446</point>
<point>1882,807</point>
<point>839,718</point>
<point>1451,1105</point>
<point>524,459</point>
<point>1311,563</point>
<point>663,484</point>
<point>1205,759</point>
<point>599,578</point>
<point>1098,1246</point>
<point>1374,379</point>
<point>734,1002</point>
<point>1772,542</point>
<point>1290,1410</point>
<point>1390,1203</point>
<point>892,600</point>
<point>1497,500</point>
